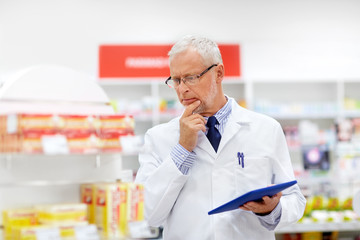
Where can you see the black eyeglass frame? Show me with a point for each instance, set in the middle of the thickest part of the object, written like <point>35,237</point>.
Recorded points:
<point>183,79</point>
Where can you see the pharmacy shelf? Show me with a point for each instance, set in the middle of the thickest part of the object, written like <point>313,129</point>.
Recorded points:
<point>321,227</point>
<point>351,114</point>
<point>312,116</point>
<point>313,94</point>
<point>155,235</point>
<point>26,178</point>
<point>14,169</point>
<point>9,160</point>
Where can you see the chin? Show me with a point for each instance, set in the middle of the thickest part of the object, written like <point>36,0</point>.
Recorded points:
<point>199,109</point>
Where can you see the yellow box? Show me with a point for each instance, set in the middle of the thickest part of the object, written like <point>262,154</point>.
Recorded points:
<point>69,212</point>
<point>13,218</point>
<point>135,202</point>
<point>87,196</point>
<point>312,236</point>
<point>110,209</point>
<point>31,232</point>
<point>68,231</point>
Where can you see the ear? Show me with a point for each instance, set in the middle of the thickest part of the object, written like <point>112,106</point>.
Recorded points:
<point>220,73</point>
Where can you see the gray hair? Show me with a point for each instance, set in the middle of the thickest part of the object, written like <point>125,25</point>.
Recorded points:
<point>208,49</point>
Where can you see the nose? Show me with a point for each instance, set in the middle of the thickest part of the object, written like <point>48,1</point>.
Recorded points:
<point>182,87</point>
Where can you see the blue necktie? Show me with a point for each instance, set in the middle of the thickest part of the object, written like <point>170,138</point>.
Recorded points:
<point>213,133</point>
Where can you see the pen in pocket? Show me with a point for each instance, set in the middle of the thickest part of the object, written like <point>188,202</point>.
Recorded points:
<point>240,156</point>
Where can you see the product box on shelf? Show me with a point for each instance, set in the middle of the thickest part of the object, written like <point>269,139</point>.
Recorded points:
<point>113,205</point>
<point>36,122</point>
<point>122,124</point>
<point>62,134</point>
<point>77,123</point>
<point>68,230</point>
<point>82,142</point>
<point>87,196</point>
<point>31,141</point>
<point>135,195</point>
<point>110,141</point>
<point>13,218</point>
<point>35,232</point>
<point>10,143</point>
<point>110,209</point>
<point>3,124</point>
<point>63,231</point>
<point>68,213</point>
<point>49,221</point>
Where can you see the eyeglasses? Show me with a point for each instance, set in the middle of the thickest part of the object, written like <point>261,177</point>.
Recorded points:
<point>188,80</point>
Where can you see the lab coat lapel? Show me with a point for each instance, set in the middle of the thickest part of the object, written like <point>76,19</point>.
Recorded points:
<point>232,128</point>
<point>237,118</point>
<point>205,145</point>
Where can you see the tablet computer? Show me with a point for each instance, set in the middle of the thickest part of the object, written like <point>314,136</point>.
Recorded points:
<point>255,195</point>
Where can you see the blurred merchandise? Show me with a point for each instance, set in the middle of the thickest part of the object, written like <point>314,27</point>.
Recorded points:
<point>36,232</point>
<point>13,218</point>
<point>273,108</point>
<point>292,236</point>
<point>308,133</point>
<point>292,136</point>
<point>242,103</point>
<point>115,208</point>
<point>145,107</point>
<point>316,157</point>
<point>330,175</point>
<point>110,209</point>
<point>87,196</point>
<point>322,209</point>
<point>59,221</point>
<point>351,104</point>
<point>64,213</point>
<point>344,130</point>
<point>312,236</point>
<point>62,134</point>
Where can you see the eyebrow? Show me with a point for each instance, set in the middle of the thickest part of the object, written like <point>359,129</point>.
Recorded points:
<point>185,75</point>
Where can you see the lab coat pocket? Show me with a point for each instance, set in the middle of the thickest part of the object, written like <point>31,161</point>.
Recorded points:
<point>253,173</point>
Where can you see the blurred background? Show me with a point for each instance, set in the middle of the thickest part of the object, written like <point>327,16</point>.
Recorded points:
<point>299,62</point>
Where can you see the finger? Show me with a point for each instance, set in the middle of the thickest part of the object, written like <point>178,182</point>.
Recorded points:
<point>275,197</point>
<point>194,117</point>
<point>266,198</point>
<point>196,124</point>
<point>200,126</point>
<point>190,108</point>
<point>244,208</point>
<point>279,194</point>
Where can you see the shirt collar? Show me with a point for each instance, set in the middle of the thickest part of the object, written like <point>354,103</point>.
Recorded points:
<point>224,112</point>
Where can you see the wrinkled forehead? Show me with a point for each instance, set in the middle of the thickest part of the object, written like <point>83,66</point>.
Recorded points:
<point>189,54</point>
<point>186,62</point>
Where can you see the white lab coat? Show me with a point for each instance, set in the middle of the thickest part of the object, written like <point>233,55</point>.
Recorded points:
<point>181,202</point>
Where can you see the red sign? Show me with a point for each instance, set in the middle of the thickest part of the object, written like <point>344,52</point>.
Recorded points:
<point>150,61</point>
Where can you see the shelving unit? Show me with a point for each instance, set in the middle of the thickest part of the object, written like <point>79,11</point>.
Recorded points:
<point>30,179</point>
<point>348,230</point>
<point>318,99</point>
<point>321,227</point>
<point>38,179</point>
<point>322,101</point>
